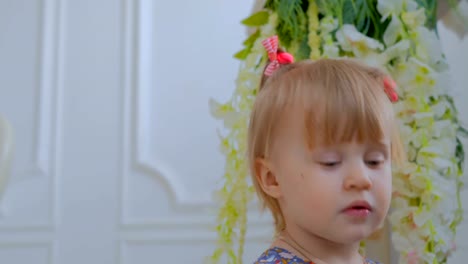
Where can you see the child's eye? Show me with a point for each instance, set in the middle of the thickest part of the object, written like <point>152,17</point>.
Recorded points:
<point>330,163</point>
<point>374,163</point>
<point>375,159</point>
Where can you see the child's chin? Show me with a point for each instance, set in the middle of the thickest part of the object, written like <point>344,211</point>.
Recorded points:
<point>356,236</point>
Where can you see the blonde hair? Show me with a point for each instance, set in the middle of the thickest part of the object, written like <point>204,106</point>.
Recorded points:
<point>341,99</point>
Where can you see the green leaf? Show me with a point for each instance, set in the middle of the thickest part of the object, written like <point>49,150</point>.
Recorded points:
<point>303,51</point>
<point>242,55</point>
<point>292,20</point>
<point>328,7</point>
<point>257,19</point>
<point>350,11</point>
<point>430,6</point>
<point>463,131</point>
<point>460,154</point>
<point>252,38</point>
<point>248,43</point>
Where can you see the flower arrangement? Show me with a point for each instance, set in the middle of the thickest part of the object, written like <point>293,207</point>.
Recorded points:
<point>399,36</point>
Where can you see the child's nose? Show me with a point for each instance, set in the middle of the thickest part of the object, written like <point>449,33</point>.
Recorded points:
<point>357,177</point>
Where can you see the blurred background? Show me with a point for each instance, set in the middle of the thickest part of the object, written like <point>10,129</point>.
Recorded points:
<point>116,155</point>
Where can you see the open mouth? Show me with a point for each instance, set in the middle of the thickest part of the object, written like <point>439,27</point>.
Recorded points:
<point>359,209</point>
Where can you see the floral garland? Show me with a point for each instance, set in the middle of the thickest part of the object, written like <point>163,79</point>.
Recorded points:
<point>398,36</point>
<point>232,217</point>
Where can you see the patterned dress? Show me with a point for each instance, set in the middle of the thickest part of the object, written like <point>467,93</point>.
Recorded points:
<point>278,255</point>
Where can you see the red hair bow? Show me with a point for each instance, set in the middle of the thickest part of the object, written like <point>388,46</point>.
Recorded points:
<point>390,89</point>
<point>276,57</point>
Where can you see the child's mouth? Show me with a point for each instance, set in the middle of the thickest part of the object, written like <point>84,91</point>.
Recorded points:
<point>359,209</point>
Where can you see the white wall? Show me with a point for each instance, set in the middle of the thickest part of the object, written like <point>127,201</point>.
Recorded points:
<point>117,154</point>
<point>456,51</point>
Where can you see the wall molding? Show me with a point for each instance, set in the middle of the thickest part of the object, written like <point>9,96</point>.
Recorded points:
<point>136,155</point>
<point>48,246</point>
<point>48,113</point>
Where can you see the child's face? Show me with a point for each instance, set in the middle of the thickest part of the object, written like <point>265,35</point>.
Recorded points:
<point>316,187</point>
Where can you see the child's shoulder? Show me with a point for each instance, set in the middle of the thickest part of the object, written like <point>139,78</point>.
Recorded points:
<point>278,255</point>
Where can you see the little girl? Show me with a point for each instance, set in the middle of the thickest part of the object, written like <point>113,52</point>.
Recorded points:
<point>322,139</point>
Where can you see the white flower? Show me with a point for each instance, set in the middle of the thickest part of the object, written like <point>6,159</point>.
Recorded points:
<point>418,137</point>
<point>367,49</point>
<point>394,7</point>
<point>416,78</point>
<point>327,25</point>
<point>399,49</point>
<point>350,39</point>
<point>407,239</point>
<point>387,8</point>
<point>374,59</point>
<point>401,187</point>
<point>393,31</point>
<point>414,19</point>
<point>420,218</point>
<point>428,47</point>
<point>423,119</point>
<point>419,180</point>
<point>331,51</point>
<point>224,112</point>
<point>420,77</point>
<point>440,108</point>
<point>443,147</point>
<point>442,84</point>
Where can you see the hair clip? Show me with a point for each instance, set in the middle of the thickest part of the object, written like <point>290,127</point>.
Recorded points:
<point>390,89</point>
<point>276,57</point>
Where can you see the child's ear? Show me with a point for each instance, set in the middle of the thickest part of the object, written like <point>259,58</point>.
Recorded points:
<point>266,178</point>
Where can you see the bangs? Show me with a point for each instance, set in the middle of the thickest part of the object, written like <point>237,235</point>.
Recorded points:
<point>342,102</point>
<point>346,113</point>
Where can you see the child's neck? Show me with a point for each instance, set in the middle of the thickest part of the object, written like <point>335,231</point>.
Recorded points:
<point>319,250</point>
